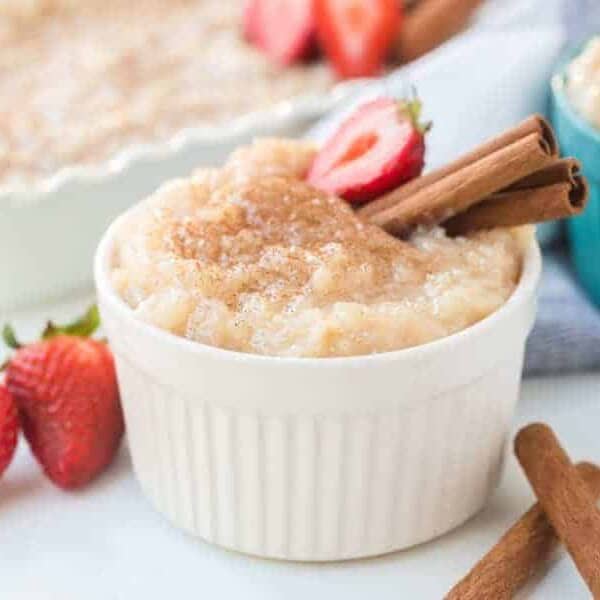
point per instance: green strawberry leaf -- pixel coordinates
(85, 326)
(413, 107)
(10, 338)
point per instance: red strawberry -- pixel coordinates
(283, 29)
(378, 148)
(249, 20)
(357, 35)
(9, 428)
(66, 390)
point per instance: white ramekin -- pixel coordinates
(319, 459)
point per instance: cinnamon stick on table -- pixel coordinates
(521, 552)
(431, 23)
(564, 497)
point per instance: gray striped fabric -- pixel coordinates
(566, 336)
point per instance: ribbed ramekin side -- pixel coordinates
(319, 487)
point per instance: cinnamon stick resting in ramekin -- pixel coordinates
(521, 552)
(556, 192)
(514, 179)
(533, 124)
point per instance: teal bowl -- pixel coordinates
(580, 139)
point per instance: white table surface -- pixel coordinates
(107, 543)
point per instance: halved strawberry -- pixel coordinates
(249, 21)
(283, 29)
(378, 148)
(357, 35)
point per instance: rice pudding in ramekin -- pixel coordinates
(297, 421)
(251, 258)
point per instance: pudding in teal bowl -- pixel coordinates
(576, 119)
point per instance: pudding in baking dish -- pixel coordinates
(93, 78)
(251, 258)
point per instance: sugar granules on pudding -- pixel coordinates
(251, 258)
(94, 78)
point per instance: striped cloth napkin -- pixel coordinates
(566, 335)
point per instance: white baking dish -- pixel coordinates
(319, 459)
(48, 232)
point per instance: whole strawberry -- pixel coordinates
(9, 428)
(66, 391)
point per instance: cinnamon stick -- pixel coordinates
(431, 23)
(533, 124)
(466, 186)
(564, 170)
(522, 206)
(564, 497)
(521, 552)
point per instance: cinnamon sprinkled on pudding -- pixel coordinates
(251, 258)
(81, 82)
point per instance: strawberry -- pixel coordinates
(283, 29)
(380, 146)
(66, 391)
(9, 428)
(249, 21)
(357, 35)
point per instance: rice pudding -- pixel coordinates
(250, 258)
(82, 81)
